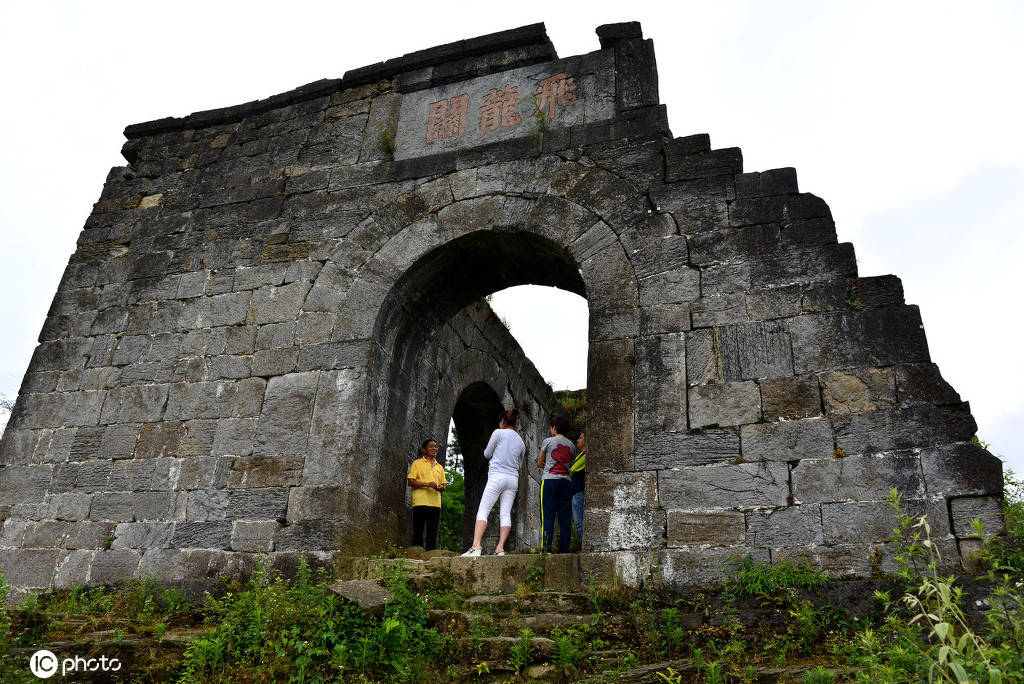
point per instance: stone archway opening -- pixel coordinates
(446, 282)
(550, 325)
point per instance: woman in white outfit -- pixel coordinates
(505, 451)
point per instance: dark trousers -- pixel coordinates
(429, 517)
(556, 501)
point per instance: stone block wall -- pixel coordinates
(275, 303)
(787, 395)
(189, 497)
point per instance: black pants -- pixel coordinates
(555, 501)
(428, 516)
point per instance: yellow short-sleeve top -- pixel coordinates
(422, 470)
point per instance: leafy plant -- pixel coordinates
(713, 673)
(387, 139)
(5, 619)
(671, 633)
(926, 633)
(1006, 552)
(770, 581)
(519, 653)
(670, 676)
(909, 537)
(535, 572)
(853, 298)
(1002, 558)
(142, 600)
(270, 629)
(564, 654)
(12, 668)
(629, 661)
(595, 592)
(818, 675)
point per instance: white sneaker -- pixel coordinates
(472, 553)
(499, 553)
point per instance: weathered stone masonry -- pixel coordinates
(274, 303)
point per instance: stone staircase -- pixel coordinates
(503, 614)
(482, 575)
(549, 594)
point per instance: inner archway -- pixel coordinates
(475, 415)
(550, 326)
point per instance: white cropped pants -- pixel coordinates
(499, 486)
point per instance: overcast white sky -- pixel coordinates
(905, 117)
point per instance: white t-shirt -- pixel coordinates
(505, 450)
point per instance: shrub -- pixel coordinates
(271, 629)
(926, 633)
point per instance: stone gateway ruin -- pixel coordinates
(274, 303)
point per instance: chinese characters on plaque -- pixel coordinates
(500, 109)
(447, 118)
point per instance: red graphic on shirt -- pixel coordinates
(563, 457)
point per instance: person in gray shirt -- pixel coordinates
(555, 458)
(505, 451)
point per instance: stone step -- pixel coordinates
(108, 638)
(458, 623)
(535, 602)
(545, 622)
(453, 622)
(687, 670)
(134, 653)
(609, 659)
(608, 654)
(95, 626)
(481, 575)
(495, 651)
(418, 553)
(751, 617)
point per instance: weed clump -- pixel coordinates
(926, 634)
(270, 629)
(770, 581)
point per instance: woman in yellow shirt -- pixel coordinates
(426, 477)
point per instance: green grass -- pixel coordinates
(770, 580)
(271, 629)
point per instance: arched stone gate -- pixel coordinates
(273, 303)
